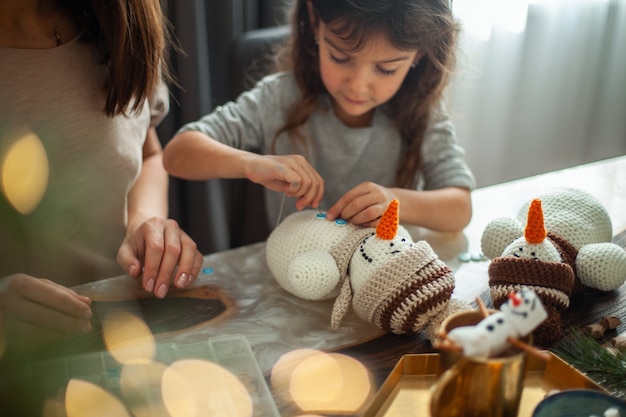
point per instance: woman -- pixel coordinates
(85, 79)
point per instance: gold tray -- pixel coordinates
(406, 391)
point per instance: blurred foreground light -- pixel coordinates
(127, 337)
(280, 377)
(197, 388)
(140, 385)
(321, 382)
(85, 399)
(24, 172)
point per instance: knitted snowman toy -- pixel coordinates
(560, 246)
(399, 285)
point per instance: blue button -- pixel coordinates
(341, 222)
(321, 215)
(478, 257)
(207, 271)
(465, 257)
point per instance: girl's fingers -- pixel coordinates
(310, 188)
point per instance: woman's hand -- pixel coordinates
(36, 312)
(161, 251)
(363, 205)
(291, 174)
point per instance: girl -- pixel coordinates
(353, 120)
(85, 79)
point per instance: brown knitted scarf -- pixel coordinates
(552, 281)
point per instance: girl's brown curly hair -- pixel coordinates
(424, 25)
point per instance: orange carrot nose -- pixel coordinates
(535, 231)
(388, 225)
(515, 299)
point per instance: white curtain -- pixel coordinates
(540, 85)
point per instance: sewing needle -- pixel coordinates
(280, 212)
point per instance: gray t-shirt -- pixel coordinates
(73, 234)
(342, 155)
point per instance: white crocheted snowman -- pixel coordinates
(575, 216)
(390, 281)
(560, 246)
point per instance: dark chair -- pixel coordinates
(251, 61)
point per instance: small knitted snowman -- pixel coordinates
(519, 315)
(390, 281)
(560, 246)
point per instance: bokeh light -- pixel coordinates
(24, 171)
(140, 386)
(85, 399)
(127, 337)
(319, 382)
(198, 388)
(280, 377)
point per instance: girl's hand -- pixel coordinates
(164, 252)
(291, 174)
(37, 311)
(363, 205)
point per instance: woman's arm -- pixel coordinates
(155, 247)
(148, 196)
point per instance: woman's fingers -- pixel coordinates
(168, 255)
(37, 311)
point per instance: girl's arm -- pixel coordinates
(193, 155)
(445, 210)
(154, 245)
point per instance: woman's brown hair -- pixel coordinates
(133, 38)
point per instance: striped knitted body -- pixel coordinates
(389, 281)
(406, 294)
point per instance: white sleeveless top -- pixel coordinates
(73, 234)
